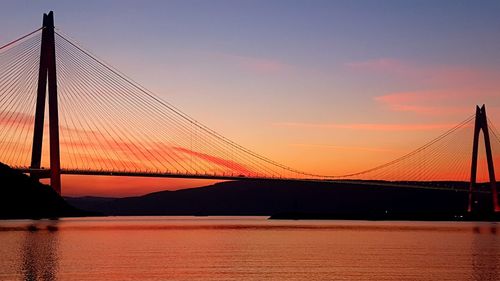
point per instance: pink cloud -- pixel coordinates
(263, 66)
(425, 102)
(435, 76)
(381, 64)
(438, 103)
(441, 89)
(216, 160)
(258, 65)
(369, 126)
(412, 70)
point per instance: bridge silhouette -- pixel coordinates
(101, 122)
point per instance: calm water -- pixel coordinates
(222, 248)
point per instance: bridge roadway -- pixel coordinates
(435, 185)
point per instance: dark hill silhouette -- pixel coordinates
(291, 199)
(24, 198)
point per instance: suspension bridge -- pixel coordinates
(101, 122)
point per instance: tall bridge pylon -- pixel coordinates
(481, 124)
(47, 80)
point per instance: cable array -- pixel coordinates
(111, 123)
(447, 157)
(495, 147)
(19, 62)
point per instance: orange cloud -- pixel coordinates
(369, 126)
(339, 147)
(15, 118)
(106, 163)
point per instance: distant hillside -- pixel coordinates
(286, 197)
(22, 197)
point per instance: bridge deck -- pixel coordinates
(448, 186)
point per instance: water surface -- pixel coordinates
(246, 248)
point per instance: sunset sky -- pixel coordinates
(323, 86)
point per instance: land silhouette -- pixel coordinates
(285, 199)
(25, 198)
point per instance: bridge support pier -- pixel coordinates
(47, 79)
(482, 124)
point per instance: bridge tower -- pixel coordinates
(481, 124)
(47, 81)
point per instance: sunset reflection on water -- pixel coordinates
(246, 248)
